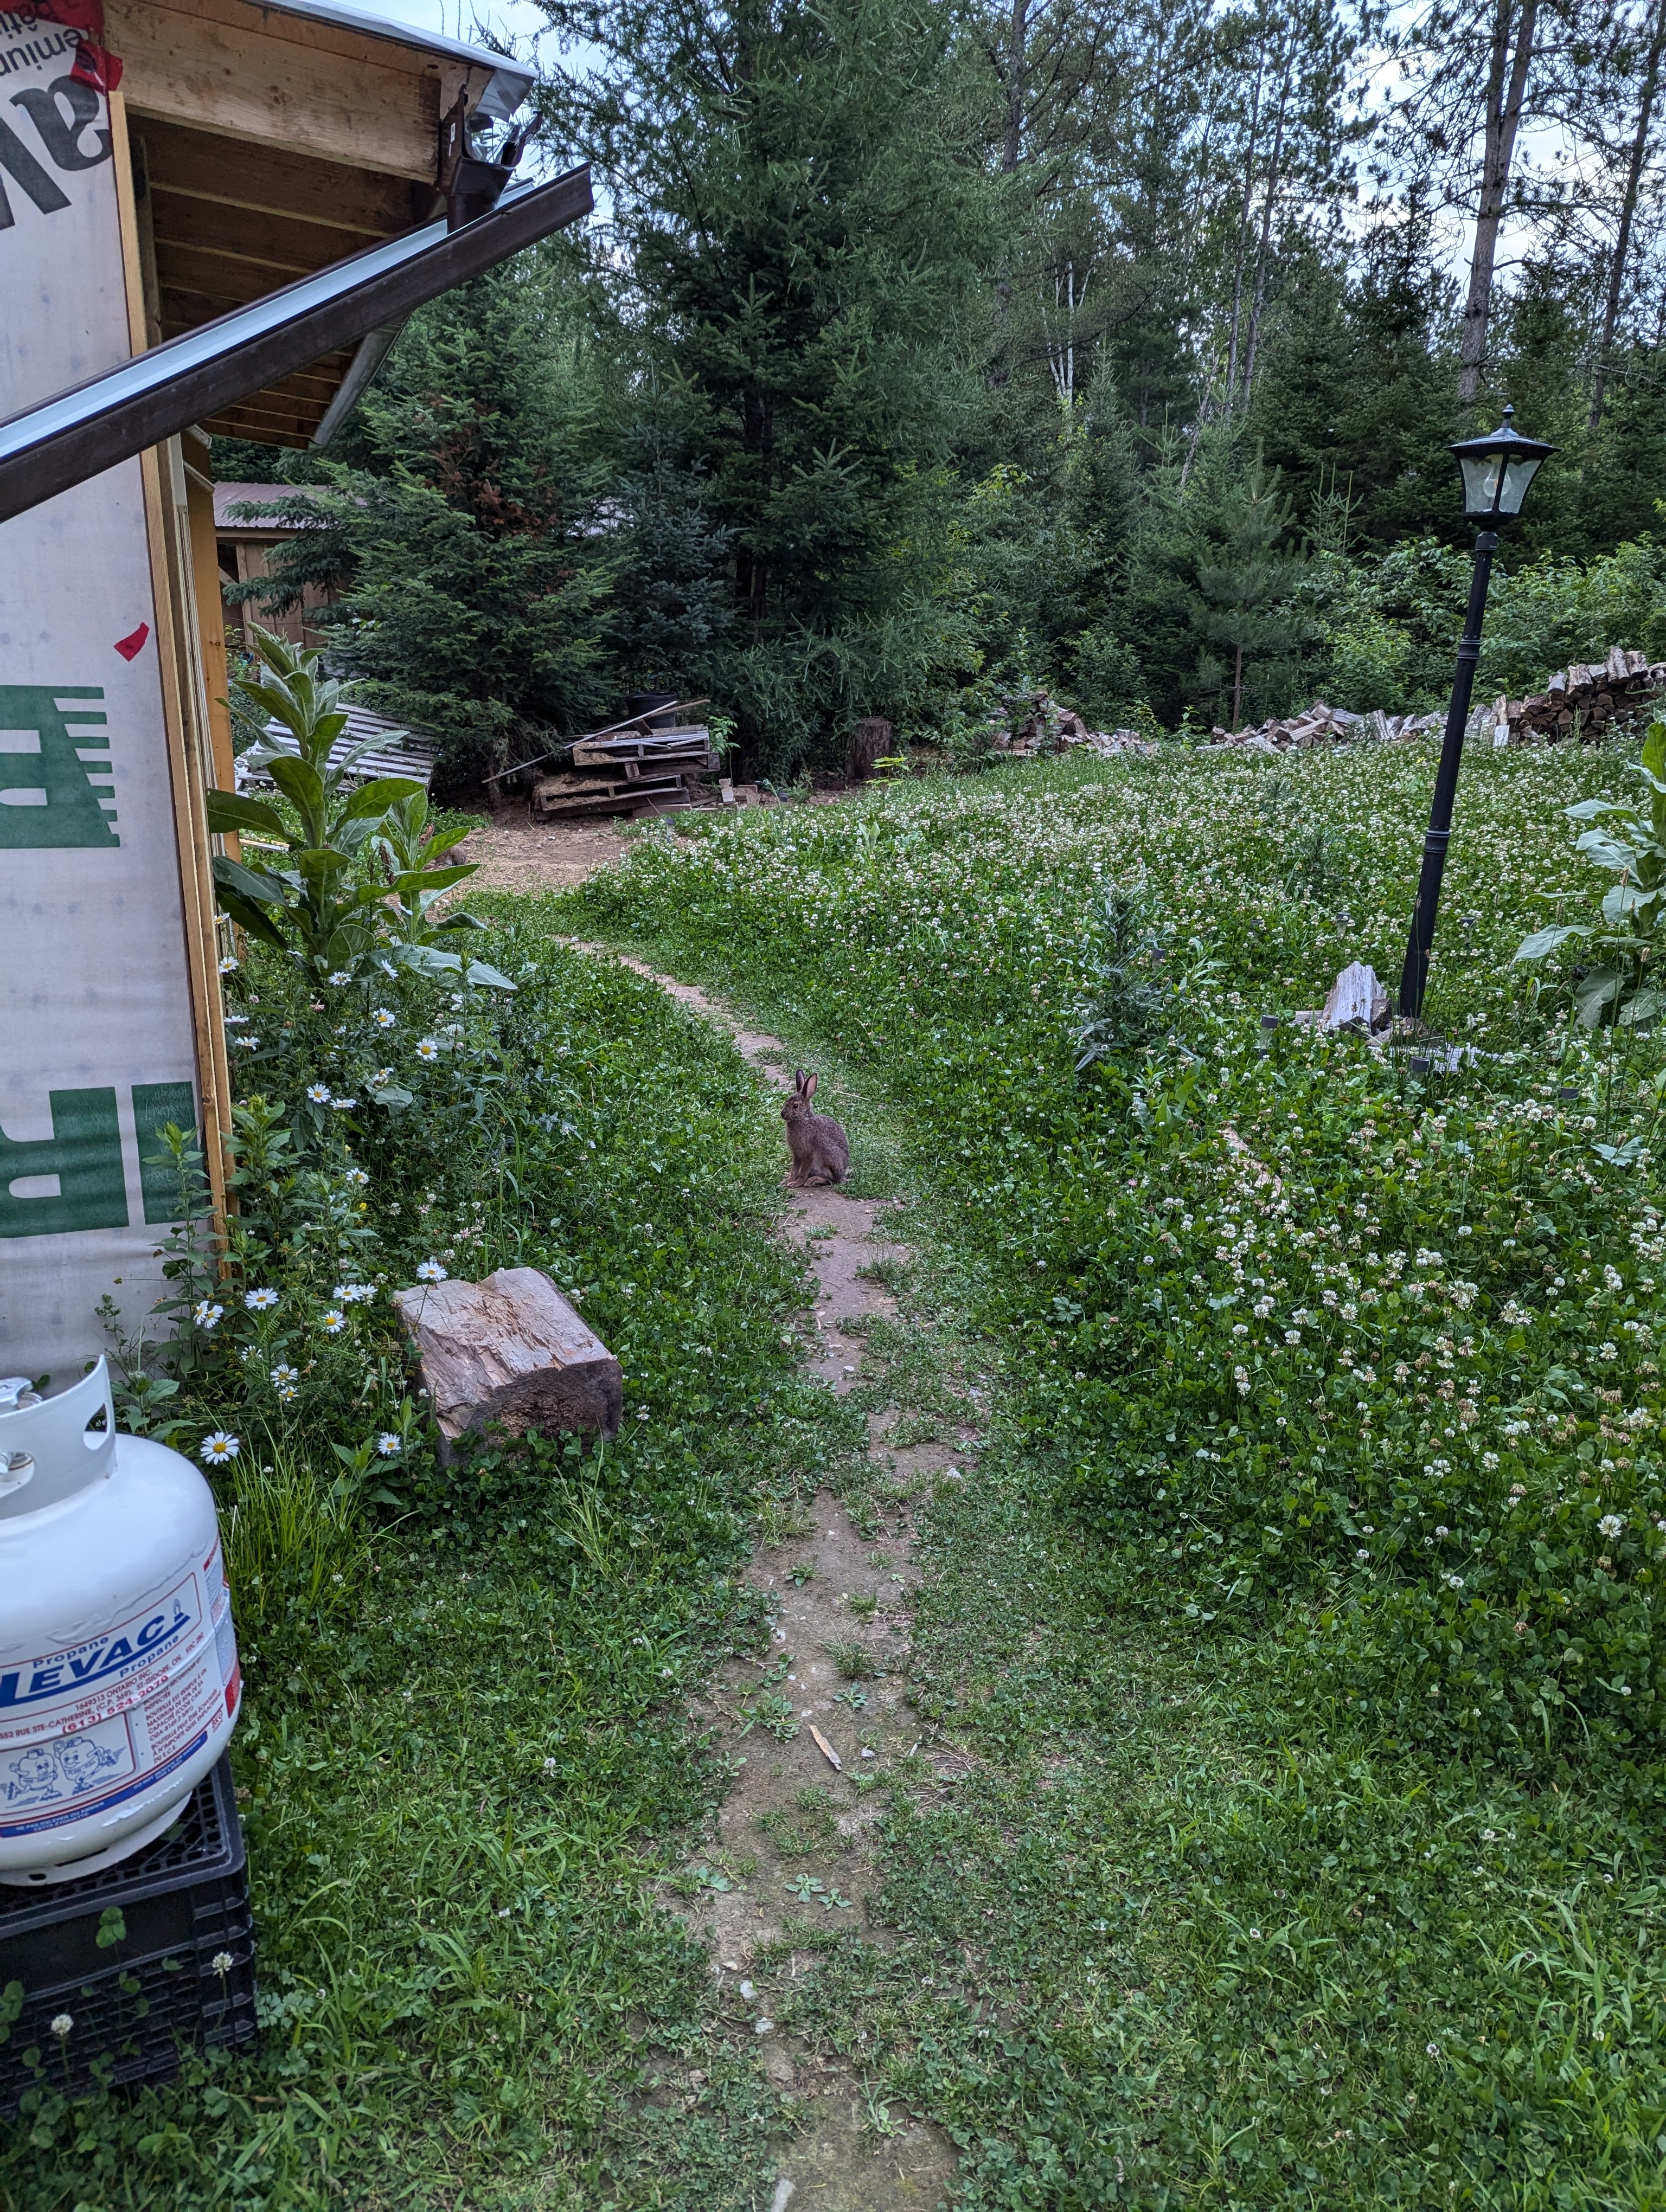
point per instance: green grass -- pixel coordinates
(465, 1757)
(1290, 1870)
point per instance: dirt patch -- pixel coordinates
(791, 1847)
(515, 854)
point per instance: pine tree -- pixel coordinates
(1246, 584)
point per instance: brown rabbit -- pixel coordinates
(820, 1149)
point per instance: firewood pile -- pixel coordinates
(1582, 703)
(1323, 725)
(652, 764)
(1037, 725)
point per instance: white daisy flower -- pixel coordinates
(388, 1445)
(219, 1449)
(341, 975)
(334, 1321)
(206, 1315)
(229, 966)
(318, 1093)
(260, 1301)
(428, 1050)
(383, 1018)
(355, 1178)
(431, 1271)
(343, 1105)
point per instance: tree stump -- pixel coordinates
(869, 741)
(510, 1351)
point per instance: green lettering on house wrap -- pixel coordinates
(47, 797)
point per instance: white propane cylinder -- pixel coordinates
(119, 1678)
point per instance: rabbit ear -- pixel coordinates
(797, 1083)
(810, 1086)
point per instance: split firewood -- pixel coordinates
(511, 1352)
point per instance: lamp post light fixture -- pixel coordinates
(1496, 472)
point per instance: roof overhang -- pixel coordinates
(195, 377)
(272, 138)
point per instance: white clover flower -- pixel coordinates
(1261, 1308)
(387, 1444)
(1453, 1582)
(1613, 1279)
(431, 1271)
(318, 1093)
(429, 1048)
(260, 1301)
(221, 1962)
(383, 1018)
(1489, 1460)
(1241, 1376)
(1441, 1529)
(219, 1449)
(1362, 1555)
(1518, 1490)
(1240, 1328)
(1612, 1525)
(552, 1766)
(641, 1412)
(334, 1321)
(207, 1316)
(60, 2024)
(1608, 1351)
(1293, 1336)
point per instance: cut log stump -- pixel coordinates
(510, 1351)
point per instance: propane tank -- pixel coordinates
(119, 1678)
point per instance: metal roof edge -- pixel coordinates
(511, 81)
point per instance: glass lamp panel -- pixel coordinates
(1480, 482)
(1519, 471)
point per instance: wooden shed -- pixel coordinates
(214, 216)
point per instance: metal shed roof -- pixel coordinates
(510, 82)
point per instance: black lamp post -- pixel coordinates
(1496, 472)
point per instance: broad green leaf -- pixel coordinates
(298, 779)
(228, 813)
(1594, 994)
(373, 798)
(433, 879)
(480, 971)
(249, 883)
(1544, 941)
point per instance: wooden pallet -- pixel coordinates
(566, 797)
(690, 747)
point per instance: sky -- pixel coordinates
(457, 19)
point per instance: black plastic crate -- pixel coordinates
(176, 1966)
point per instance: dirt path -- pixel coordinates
(792, 1841)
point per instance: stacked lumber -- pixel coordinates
(636, 767)
(1323, 725)
(1583, 701)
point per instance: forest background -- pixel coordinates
(922, 350)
